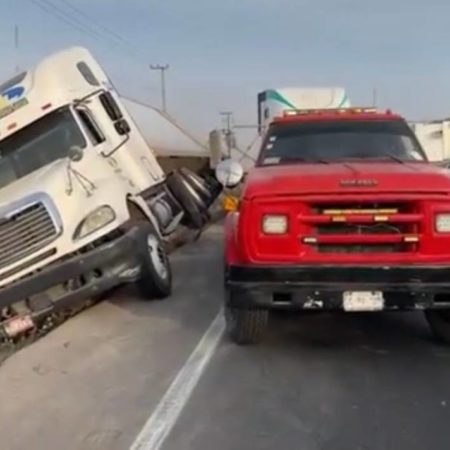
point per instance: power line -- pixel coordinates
(47, 7)
(51, 9)
(105, 29)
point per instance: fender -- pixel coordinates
(231, 247)
(142, 205)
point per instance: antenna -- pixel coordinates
(16, 46)
(375, 97)
(162, 69)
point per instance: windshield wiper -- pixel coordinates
(394, 158)
(311, 160)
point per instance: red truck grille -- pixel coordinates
(363, 228)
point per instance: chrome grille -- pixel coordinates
(25, 232)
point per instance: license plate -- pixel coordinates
(18, 325)
(363, 301)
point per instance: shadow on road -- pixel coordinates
(325, 382)
(379, 333)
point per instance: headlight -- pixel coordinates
(442, 222)
(95, 220)
(274, 224)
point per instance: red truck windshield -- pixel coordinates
(340, 140)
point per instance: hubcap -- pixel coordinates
(157, 257)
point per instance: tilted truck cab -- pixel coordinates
(342, 212)
(84, 204)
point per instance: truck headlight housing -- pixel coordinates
(95, 220)
(274, 224)
(442, 223)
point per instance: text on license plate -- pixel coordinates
(363, 301)
(18, 325)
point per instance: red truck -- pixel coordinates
(342, 211)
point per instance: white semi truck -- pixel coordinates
(434, 137)
(84, 205)
(273, 102)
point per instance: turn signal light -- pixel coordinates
(230, 203)
(411, 238)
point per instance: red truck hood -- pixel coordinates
(381, 177)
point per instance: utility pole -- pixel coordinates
(228, 115)
(162, 69)
(228, 132)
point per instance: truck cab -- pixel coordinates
(84, 204)
(342, 211)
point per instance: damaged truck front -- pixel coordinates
(84, 205)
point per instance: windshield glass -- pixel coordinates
(329, 141)
(39, 144)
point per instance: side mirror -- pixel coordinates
(75, 153)
(229, 173)
(110, 105)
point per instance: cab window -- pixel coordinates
(92, 129)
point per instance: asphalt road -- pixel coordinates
(326, 382)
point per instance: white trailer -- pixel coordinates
(273, 102)
(84, 204)
(174, 145)
(434, 136)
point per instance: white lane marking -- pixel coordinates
(164, 417)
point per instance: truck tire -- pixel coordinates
(194, 207)
(439, 322)
(207, 190)
(155, 281)
(245, 326)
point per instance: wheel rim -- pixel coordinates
(157, 256)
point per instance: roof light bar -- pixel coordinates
(361, 110)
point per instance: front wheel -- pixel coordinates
(156, 275)
(439, 321)
(245, 326)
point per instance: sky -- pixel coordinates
(221, 53)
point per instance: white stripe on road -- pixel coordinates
(164, 417)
